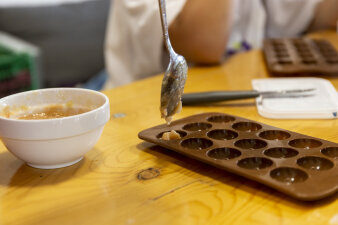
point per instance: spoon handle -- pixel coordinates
(165, 27)
(216, 96)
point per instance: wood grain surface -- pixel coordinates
(126, 181)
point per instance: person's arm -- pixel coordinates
(200, 32)
(134, 41)
(326, 15)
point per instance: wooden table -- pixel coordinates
(124, 180)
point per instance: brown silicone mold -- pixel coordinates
(300, 56)
(301, 166)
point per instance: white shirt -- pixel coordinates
(134, 42)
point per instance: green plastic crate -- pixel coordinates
(18, 69)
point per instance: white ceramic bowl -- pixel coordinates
(58, 142)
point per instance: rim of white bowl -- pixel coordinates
(51, 89)
(18, 129)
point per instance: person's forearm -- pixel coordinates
(326, 15)
(200, 32)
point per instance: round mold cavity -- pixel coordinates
(196, 126)
(333, 57)
(309, 62)
(332, 53)
(315, 163)
(332, 61)
(181, 133)
(308, 58)
(320, 43)
(223, 153)
(255, 163)
(281, 52)
(274, 135)
(298, 41)
(329, 52)
(196, 143)
(247, 126)
(301, 46)
(279, 48)
(288, 175)
(221, 119)
(304, 53)
(281, 152)
(331, 152)
(283, 58)
(250, 144)
(326, 49)
(303, 50)
(284, 62)
(222, 134)
(282, 55)
(305, 143)
(278, 44)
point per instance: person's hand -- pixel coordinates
(200, 32)
(326, 16)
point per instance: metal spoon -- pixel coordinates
(175, 76)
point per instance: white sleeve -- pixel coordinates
(247, 23)
(134, 41)
(288, 18)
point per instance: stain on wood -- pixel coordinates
(148, 174)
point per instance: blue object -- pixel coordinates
(97, 82)
(242, 46)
